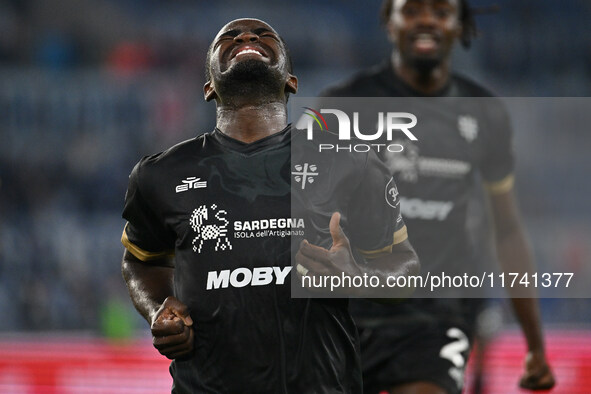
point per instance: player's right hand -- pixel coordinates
(172, 331)
(537, 375)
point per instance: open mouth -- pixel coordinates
(248, 50)
(425, 42)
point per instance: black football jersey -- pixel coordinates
(460, 138)
(233, 215)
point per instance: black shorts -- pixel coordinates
(419, 340)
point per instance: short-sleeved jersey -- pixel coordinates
(457, 140)
(233, 214)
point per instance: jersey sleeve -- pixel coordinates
(374, 211)
(144, 235)
(498, 161)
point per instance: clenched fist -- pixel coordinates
(172, 331)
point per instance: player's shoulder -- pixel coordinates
(166, 160)
(362, 83)
(492, 106)
(467, 87)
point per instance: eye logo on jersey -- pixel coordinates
(305, 173)
(191, 183)
(468, 127)
(392, 194)
(209, 229)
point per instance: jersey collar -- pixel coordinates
(263, 144)
(393, 80)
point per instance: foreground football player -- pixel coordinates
(421, 346)
(222, 205)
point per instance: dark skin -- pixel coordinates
(150, 286)
(425, 32)
(314, 260)
(515, 256)
(247, 113)
(245, 117)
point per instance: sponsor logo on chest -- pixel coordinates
(410, 165)
(211, 228)
(264, 224)
(241, 277)
(415, 208)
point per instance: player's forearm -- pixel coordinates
(399, 263)
(148, 284)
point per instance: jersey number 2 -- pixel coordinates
(453, 352)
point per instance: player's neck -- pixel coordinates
(252, 123)
(428, 82)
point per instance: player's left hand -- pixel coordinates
(537, 375)
(314, 260)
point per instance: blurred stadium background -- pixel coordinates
(87, 87)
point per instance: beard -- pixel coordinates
(425, 65)
(251, 78)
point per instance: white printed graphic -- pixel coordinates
(453, 352)
(210, 231)
(241, 277)
(409, 165)
(468, 126)
(392, 194)
(304, 173)
(415, 208)
(191, 183)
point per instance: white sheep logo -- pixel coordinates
(207, 232)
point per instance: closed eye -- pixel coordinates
(229, 35)
(264, 32)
